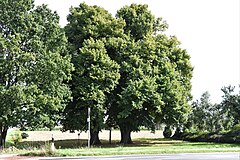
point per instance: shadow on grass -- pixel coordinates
(142, 142)
(81, 143)
(77, 147)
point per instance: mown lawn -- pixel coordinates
(140, 146)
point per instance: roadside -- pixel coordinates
(15, 157)
(185, 156)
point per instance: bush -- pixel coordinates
(178, 133)
(16, 137)
(24, 135)
(167, 133)
(236, 129)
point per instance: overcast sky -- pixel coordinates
(208, 30)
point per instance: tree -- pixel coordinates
(86, 22)
(200, 115)
(89, 29)
(205, 116)
(155, 75)
(154, 72)
(34, 67)
(230, 107)
(95, 75)
(150, 89)
(140, 22)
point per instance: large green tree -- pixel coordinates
(89, 30)
(95, 76)
(152, 87)
(34, 65)
(155, 73)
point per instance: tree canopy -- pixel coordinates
(96, 74)
(34, 66)
(150, 73)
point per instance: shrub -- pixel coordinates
(167, 133)
(16, 137)
(24, 135)
(178, 133)
(236, 129)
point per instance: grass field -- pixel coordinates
(144, 145)
(104, 135)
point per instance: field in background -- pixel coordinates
(104, 135)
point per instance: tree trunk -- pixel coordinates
(178, 133)
(110, 135)
(3, 135)
(94, 140)
(125, 135)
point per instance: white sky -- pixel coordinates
(208, 30)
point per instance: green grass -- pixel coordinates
(140, 146)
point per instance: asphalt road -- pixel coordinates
(185, 156)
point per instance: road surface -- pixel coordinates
(184, 156)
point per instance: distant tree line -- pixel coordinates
(215, 118)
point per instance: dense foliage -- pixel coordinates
(127, 70)
(89, 31)
(215, 118)
(34, 64)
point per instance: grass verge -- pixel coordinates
(140, 146)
